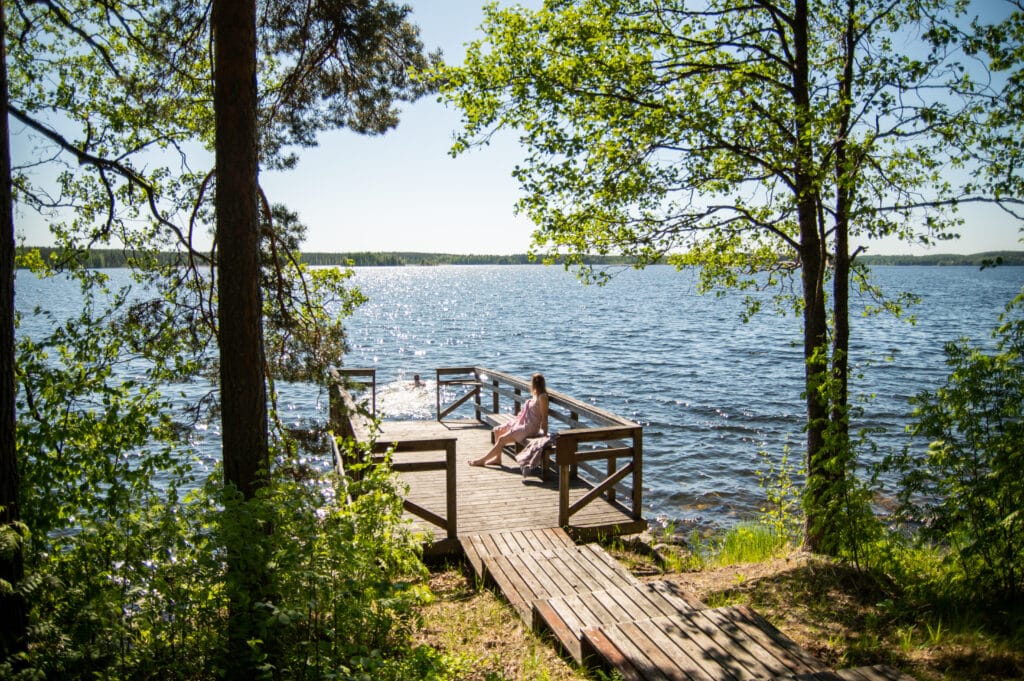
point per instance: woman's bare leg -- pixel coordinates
(494, 455)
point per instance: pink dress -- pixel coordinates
(527, 423)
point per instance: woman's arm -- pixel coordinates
(543, 406)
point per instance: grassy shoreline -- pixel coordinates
(843, 617)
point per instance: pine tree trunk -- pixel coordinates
(13, 616)
(242, 383)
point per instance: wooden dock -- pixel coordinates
(490, 499)
(521, 534)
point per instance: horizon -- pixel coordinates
(403, 192)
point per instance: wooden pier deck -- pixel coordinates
(491, 499)
(520, 534)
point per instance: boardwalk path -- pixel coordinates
(595, 608)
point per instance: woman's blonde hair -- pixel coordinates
(538, 383)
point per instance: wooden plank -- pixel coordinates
(471, 549)
(644, 602)
(526, 577)
(518, 593)
(547, 579)
(870, 673)
(875, 673)
(756, 652)
(611, 567)
(697, 655)
(696, 644)
(597, 640)
(567, 616)
(741, 656)
(741, 621)
(672, 590)
(637, 654)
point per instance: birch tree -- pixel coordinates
(754, 140)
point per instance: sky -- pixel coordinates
(403, 191)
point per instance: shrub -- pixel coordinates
(965, 489)
(145, 595)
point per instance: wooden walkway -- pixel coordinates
(520, 534)
(647, 631)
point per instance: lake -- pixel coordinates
(711, 391)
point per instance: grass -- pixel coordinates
(485, 635)
(844, 617)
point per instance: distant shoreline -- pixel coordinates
(115, 258)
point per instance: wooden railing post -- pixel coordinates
(565, 450)
(574, 471)
(451, 490)
(476, 398)
(495, 396)
(611, 471)
(638, 477)
(437, 392)
(334, 399)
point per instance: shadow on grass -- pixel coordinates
(850, 618)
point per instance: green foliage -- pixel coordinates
(837, 501)
(304, 309)
(782, 513)
(346, 576)
(749, 543)
(128, 578)
(652, 128)
(146, 593)
(94, 431)
(965, 489)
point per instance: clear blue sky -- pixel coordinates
(403, 192)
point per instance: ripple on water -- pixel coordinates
(711, 390)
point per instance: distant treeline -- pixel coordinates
(108, 258)
(977, 259)
(367, 259)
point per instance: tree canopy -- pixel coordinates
(125, 107)
(756, 140)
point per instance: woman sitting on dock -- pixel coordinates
(531, 420)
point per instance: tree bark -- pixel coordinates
(13, 614)
(845, 175)
(240, 320)
(813, 262)
(240, 307)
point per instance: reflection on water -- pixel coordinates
(709, 390)
(403, 400)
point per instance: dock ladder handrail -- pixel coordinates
(352, 421)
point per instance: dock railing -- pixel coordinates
(593, 435)
(350, 420)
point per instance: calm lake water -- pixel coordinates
(710, 390)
